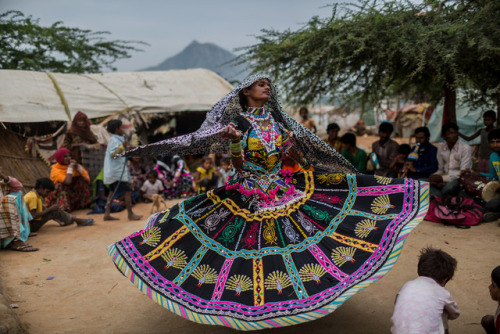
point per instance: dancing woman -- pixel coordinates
(271, 248)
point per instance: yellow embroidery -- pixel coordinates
(331, 179)
(311, 272)
(270, 233)
(341, 255)
(205, 275)
(381, 204)
(175, 258)
(239, 283)
(364, 227)
(278, 280)
(258, 282)
(382, 179)
(151, 236)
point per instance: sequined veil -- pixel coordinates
(270, 248)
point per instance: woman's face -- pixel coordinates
(81, 123)
(67, 159)
(258, 93)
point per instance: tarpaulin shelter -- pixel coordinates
(37, 97)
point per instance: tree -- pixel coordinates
(372, 50)
(26, 45)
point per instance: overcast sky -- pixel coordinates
(169, 26)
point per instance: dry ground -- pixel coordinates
(88, 295)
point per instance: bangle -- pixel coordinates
(235, 147)
(70, 171)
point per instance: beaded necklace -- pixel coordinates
(267, 134)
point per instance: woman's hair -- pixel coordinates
(495, 275)
(114, 125)
(490, 113)
(44, 183)
(348, 138)
(436, 264)
(303, 109)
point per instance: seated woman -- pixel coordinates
(72, 183)
(80, 137)
(176, 178)
(14, 217)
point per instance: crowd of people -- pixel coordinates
(124, 182)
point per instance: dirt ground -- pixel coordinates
(88, 295)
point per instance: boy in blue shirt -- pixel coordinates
(492, 207)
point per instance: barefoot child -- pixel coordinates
(41, 214)
(116, 175)
(151, 186)
(491, 323)
(424, 305)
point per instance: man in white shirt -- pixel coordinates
(453, 157)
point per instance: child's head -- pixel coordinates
(436, 264)
(303, 112)
(494, 140)
(225, 163)
(348, 140)
(152, 176)
(385, 130)
(495, 284)
(44, 186)
(206, 162)
(115, 127)
(489, 118)
(404, 149)
(333, 130)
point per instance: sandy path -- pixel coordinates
(88, 295)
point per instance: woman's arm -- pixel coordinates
(235, 137)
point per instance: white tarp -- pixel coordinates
(28, 96)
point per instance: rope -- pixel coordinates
(61, 95)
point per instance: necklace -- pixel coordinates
(267, 134)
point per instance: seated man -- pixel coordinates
(14, 226)
(492, 207)
(41, 214)
(385, 148)
(427, 162)
(353, 154)
(453, 157)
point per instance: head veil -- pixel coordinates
(207, 138)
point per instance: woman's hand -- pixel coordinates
(230, 133)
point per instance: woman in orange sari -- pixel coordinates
(72, 183)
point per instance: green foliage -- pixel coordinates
(377, 49)
(26, 45)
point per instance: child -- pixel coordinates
(353, 154)
(333, 139)
(223, 171)
(205, 178)
(489, 118)
(492, 207)
(490, 323)
(41, 214)
(306, 121)
(397, 165)
(151, 186)
(116, 175)
(385, 148)
(424, 305)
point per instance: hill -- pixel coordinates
(204, 55)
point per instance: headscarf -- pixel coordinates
(208, 138)
(59, 155)
(85, 132)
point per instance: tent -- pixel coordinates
(28, 96)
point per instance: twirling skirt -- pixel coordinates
(214, 260)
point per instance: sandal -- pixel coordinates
(89, 222)
(23, 248)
